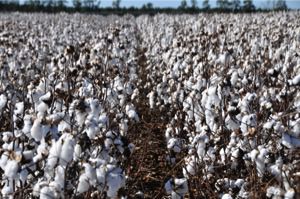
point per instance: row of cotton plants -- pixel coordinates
(231, 85)
(76, 89)
(67, 88)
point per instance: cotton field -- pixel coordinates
(164, 106)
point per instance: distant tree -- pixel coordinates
(147, 6)
(91, 4)
(183, 4)
(49, 3)
(235, 4)
(116, 4)
(60, 4)
(223, 4)
(193, 4)
(280, 5)
(248, 5)
(77, 4)
(205, 4)
(33, 3)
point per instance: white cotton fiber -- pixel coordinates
(11, 169)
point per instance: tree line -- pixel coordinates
(94, 6)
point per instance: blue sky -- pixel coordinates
(295, 4)
(176, 3)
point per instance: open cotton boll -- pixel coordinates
(289, 194)
(41, 109)
(90, 173)
(7, 189)
(226, 196)
(101, 175)
(36, 130)
(19, 108)
(67, 150)
(290, 141)
(174, 145)
(54, 154)
(296, 80)
(190, 168)
(169, 186)
(151, 97)
(60, 177)
(47, 193)
(83, 184)
(11, 169)
(115, 181)
(248, 122)
(3, 100)
(27, 125)
(181, 186)
(274, 192)
(77, 152)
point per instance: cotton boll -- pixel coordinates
(7, 189)
(46, 193)
(296, 80)
(36, 130)
(90, 173)
(276, 169)
(80, 117)
(275, 192)
(63, 126)
(3, 101)
(19, 108)
(226, 196)
(67, 150)
(114, 182)
(11, 169)
(151, 99)
(289, 194)
(133, 115)
(101, 174)
(103, 120)
(27, 125)
(54, 154)
(248, 121)
(201, 148)
(77, 152)
(190, 168)
(60, 177)
(223, 155)
(41, 109)
(174, 145)
(169, 186)
(23, 176)
(290, 141)
(239, 183)
(83, 184)
(181, 186)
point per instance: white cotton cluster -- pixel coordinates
(224, 94)
(131, 113)
(174, 144)
(3, 101)
(177, 187)
(258, 156)
(38, 130)
(11, 169)
(61, 151)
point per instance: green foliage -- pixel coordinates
(94, 6)
(183, 5)
(206, 5)
(248, 6)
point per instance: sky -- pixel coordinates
(294, 4)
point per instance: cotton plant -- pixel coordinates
(177, 187)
